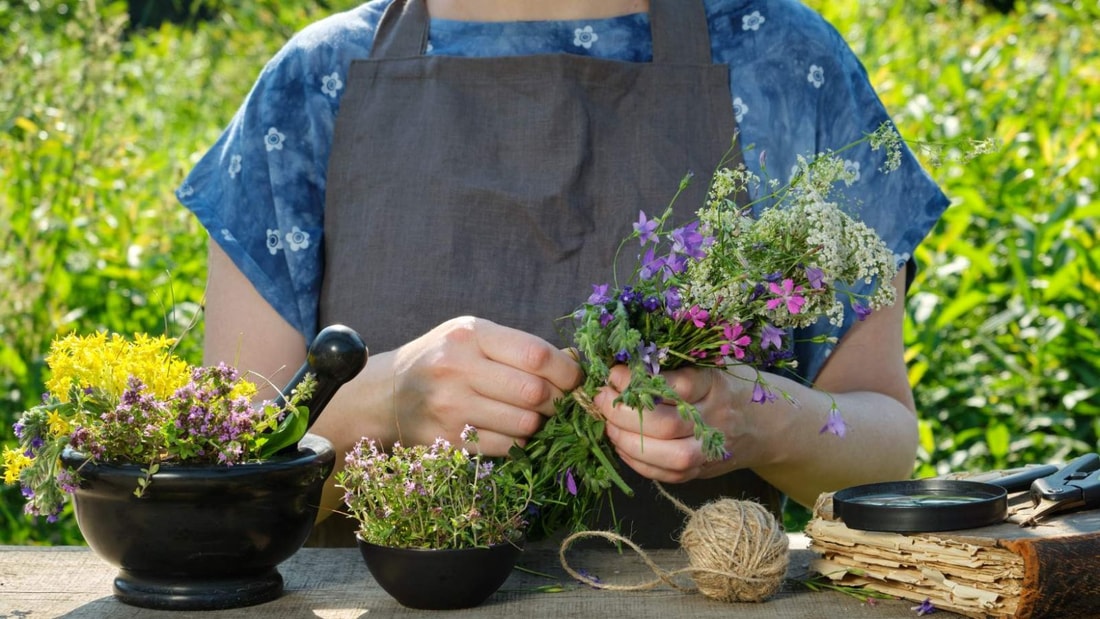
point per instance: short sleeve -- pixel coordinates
(259, 191)
(799, 90)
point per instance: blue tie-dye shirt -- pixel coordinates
(796, 89)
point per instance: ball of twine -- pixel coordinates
(737, 550)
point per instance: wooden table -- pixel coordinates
(333, 583)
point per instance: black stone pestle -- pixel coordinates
(336, 356)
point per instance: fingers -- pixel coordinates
(529, 354)
(673, 461)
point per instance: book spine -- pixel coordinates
(1061, 577)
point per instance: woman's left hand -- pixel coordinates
(661, 445)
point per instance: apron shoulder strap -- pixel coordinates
(678, 27)
(403, 30)
(679, 31)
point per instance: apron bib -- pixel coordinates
(501, 188)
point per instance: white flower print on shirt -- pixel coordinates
(816, 76)
(331, 84)
(752, 21)
(739, 109)
(274, 241)
(274, 140)
(585, 37)
(297, 239)
(234, 166)
(851, 170)
(185, 190)
(227, 235)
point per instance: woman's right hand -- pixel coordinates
(472, 371)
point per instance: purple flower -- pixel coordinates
(675, 264)
(861, 310)
(628, 296)
(599, 294)
(689, 242)
(605, 318)
(834, 424)
(651, 265)
(925, 607)
(673, 299)
(786, 294)
(19, 428)
(652, 356)
(645, 229)
(761, 394)
(651, 304)
(570, 482)
(771, 337)
(622, 356)
(815, 276)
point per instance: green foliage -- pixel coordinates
(1005, 313)
(98, 125)
(97, 128)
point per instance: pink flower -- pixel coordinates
(786, 293)
(736, 341)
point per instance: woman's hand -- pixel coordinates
(660, 445)
(472, 371)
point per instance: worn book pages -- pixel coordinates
(1003, 570)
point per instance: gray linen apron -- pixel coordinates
(501, 188)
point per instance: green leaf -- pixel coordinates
(291, 430)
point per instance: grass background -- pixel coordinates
(100, 120)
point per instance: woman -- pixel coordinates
(449, 176)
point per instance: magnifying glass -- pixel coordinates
(927, 505)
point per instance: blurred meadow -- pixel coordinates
(105, 106)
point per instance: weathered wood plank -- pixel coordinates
(333, 583)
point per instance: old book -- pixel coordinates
(1004, 570)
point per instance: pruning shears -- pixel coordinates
(1074, 486)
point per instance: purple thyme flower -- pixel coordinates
(645, 228)
(834, 424)
(599, 294)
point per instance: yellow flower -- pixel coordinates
(14, 463)
(107, 363)
(59, 426)
(243, 388)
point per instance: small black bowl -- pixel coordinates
(440, 579)
(203, 537)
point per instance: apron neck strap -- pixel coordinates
(679, 31)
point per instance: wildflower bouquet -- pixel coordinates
(132, 401)
(433, 496)
(729, 288)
